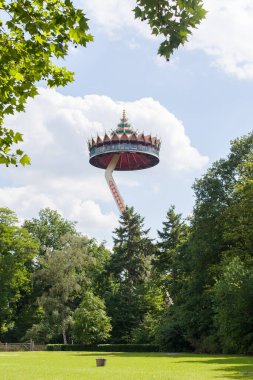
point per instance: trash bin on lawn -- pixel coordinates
(101, 362)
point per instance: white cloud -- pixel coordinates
(163, 64)
(89, 216)
(56, 128)
(226, 35)
(177, 153)
(114, 16)
(133, 45)
(26, 199)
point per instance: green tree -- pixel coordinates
(49, 228)
(169, 271)
(169, 332)
(97, 271)
(172, 19)
(238, 217)
(64, 275)
(33, 34)
(233, 289)
(214, 193)
(233, 305)
(216, 232)
(129, 271)
(17, 251)
(154, 304)
(168, 254)
(90, 321)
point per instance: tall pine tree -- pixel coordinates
(168, 253)
(129, 273)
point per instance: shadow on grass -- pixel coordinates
(242, 365)
(235, 367)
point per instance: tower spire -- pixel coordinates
(124, 119)
(124, 126)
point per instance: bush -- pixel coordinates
(145, 332)
(233, 305)
(91, 323)
(208, 345)
(170, 336)
(104, 347)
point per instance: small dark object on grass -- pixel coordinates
(101, 362)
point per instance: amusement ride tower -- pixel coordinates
(123, 149)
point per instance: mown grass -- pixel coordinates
(122, 366)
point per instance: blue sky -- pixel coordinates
(197, 103)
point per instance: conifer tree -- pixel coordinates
(171, 237)
(129, 272)
(169, 258)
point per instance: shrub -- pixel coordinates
(104, 347)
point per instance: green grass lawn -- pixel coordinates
(122, 366)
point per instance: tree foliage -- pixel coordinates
(168, 254)
(33, 34)
(233, 297)
(191, 290)
(129, 270)
(172, 19)
(233, 307)
(238, 217)
(49, 228)
(17, 251)
(132, 249)
(64, 276)
(220, 230)
(91, 323)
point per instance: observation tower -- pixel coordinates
(123, 149)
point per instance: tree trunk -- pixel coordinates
(64, 335)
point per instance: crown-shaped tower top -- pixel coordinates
(123, 126)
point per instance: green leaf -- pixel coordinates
(137, 12)
(76, 34)
(17, 137)
(4, 160)
(25, 160)
(9, 110)
(39, 39)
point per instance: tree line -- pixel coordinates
(190, 289)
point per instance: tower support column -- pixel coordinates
(111, 183)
